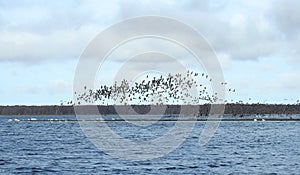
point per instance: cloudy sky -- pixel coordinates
(257, 43)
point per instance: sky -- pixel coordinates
(257, 43)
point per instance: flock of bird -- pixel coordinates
(171, 89)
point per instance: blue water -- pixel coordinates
(236, 148)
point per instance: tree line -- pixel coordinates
(202, 110)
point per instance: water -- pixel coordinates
(236, 148)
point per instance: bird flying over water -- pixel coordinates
(172, 89)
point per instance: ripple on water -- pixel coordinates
(2, 162)
(33, 170)
(238, 147)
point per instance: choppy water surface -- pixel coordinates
(236, 148)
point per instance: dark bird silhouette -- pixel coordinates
(172, 88)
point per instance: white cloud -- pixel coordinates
(225, 61)
(24, 46)
(232, 28)
(240, 29)
(285, 16)
(49, 30)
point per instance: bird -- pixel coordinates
(171, 88)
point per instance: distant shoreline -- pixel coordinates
(202, 110)
(160, 120)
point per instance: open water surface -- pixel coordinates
(244, 147)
